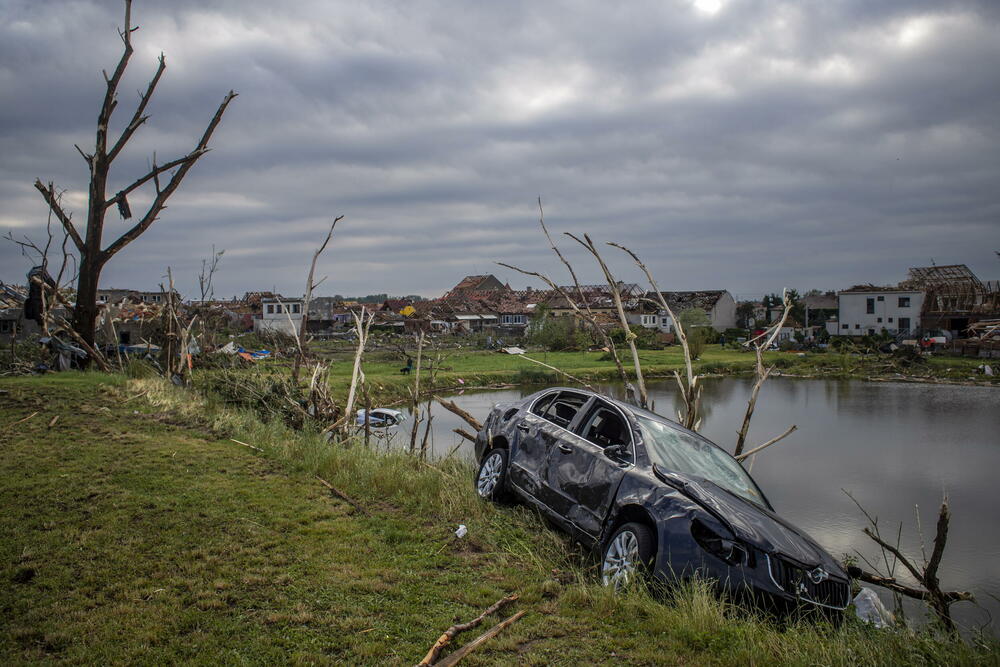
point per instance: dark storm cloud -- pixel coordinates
(745, 145)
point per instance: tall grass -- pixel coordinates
(686, 623)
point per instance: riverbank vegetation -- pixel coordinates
(136, 530)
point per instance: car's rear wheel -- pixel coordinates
(627, 556)
(491, 480)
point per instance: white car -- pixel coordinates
(380, 417)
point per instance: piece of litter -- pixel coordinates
(869, 608)
(462, 531)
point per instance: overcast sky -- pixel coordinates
(745, 145)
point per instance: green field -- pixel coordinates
(134, 531)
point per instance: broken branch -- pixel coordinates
(455, 657)
(451, 632)
(343, 496)
(770, 442)
(451, 407)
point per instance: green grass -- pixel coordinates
(133, 531)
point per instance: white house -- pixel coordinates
(866, 309)
(279, 314)
(718, 304)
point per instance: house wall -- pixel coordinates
(723, 316)
(289, 322)
(855, 320)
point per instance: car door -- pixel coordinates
(581, 477)
(529, 456)
(539, 431)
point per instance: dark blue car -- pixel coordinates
(654, 498)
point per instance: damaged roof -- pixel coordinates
(681, 301)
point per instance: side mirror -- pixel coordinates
(616, 452)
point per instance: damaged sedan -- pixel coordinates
(655, 499)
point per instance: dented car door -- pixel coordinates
(586, 467)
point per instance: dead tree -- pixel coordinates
(415, 395)
(930, 592)
(689, 386)
(208, 268)
(362, 325)
(94, 254)
(640, 396)
(41, 282)
(581, 308)
(759, 344)
(300, 336)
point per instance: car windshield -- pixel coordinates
(677, 451)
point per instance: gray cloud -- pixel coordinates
(763, 145)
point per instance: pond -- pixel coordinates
(896, 447)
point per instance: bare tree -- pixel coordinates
(300, 335)
(930, 591)
(208, 268)
(640, 396)
(690, 389)
(759, 344)
(42, 282)
(582, 307)
(93, 253)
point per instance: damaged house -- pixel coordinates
(719, 305)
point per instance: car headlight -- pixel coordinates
(723, 548)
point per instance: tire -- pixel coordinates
(627, 556)
(491, 479)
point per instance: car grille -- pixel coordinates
(796, 581)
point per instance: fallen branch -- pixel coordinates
(451, 632)
(451, 407)
(21, 421)
(891, 584)
(455, 657)
(343, 496)
(770, 442)
(465, 434)
(557, 370)
(53, 421)
(246, 445)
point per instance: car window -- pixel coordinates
(542, 404)
(604, 428)
(680, 452)
(563, 409)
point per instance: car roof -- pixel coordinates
(634, 410)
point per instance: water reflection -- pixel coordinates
(896, 447)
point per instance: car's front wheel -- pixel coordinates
(491, 480)
(628, 555)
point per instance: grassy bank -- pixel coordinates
(134, 530)
(467, 368)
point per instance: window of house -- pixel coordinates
(648, 320)
(904, 302)
(296, 308)
(879, 320)
(881, 298)
(857, 326)
(846, 326)
(664, 321)
(270, 309)
(904, 323)
(870, 305)
(277, 308)
(6, 326)
(890, 320)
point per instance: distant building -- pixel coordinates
(279, 314)
(719, 305)
(866, 310)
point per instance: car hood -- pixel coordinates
(751, 523)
